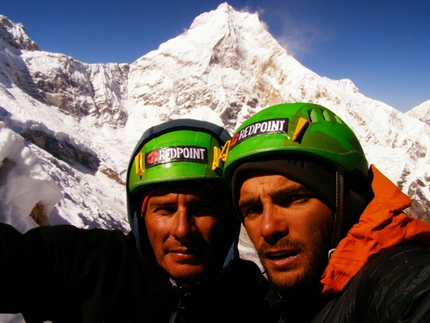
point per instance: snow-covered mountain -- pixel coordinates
(68, 128)
(421, 112)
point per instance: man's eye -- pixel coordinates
(295, 199)
(165, 210)
(252, 211)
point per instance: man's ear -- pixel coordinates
(145, 201)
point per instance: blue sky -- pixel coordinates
(383, 46)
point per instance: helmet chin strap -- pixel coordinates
(338, 215)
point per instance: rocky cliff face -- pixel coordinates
(76, 88)
(73, 87)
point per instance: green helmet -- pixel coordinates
(306, 131)
(298, 128)
(177, 150)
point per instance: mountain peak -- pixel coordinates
(232, 64)
(15, 35)
(225, 7)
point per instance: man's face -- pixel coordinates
(289, 227)
(185, 229)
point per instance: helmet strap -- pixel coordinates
(338, 215)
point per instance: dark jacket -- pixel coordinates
(393, 287)
(380, 272)
(65, 274)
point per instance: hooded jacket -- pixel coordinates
(380, 272)
(382, 225)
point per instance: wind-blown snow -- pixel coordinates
(21, 175)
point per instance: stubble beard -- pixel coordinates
(308, 280)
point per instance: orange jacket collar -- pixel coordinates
(382, 225)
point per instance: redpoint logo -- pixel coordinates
(234, 139)
(152, 157)
(176, 154)
(260, 128)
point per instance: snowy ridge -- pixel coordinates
(421, 112)
(75, 124)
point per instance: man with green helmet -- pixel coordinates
(329, 231)
(178, 264)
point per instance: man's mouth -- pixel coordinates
(281, 259)
(183, 250)
(186, 254)
(281, 254)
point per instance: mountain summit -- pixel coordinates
(68, 128)
(227, 63)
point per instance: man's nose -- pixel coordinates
(182, 225)
(274, 224)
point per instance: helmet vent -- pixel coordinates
(339, 120)
(312, 117)
(326, 115)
